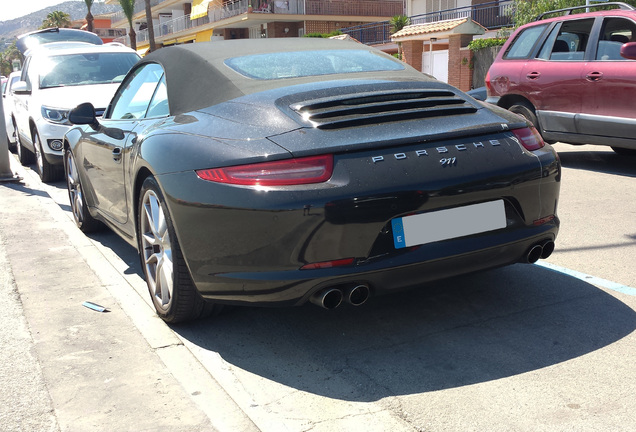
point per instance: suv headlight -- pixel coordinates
(55, 115)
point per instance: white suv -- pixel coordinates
(56, 77)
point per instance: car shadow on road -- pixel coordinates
(459, 332)
(601, 161)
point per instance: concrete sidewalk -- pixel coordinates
(66, 367)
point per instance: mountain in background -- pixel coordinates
(76, 9)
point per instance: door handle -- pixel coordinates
(533, 75)
(594, 76)
(117, 154)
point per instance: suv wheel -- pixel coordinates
(48, 172)
(13, 145)
(526, 110)
(25, 156)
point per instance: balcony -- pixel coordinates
(493, 15)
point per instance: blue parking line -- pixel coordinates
(603, 283)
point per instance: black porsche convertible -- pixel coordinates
(281, 171)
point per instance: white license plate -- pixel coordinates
(447, 224)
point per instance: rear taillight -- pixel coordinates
(315, 169)
(529, 138)
(329, 264)
(487, 82)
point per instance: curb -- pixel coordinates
(130, 294)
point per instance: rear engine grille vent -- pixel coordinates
(373, 108)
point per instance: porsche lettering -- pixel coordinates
(440, 150)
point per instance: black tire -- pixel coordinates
(624, 151)
(25, 156)
(83, 219)
(13, 146)
(526, 110)
(48, 173)
(167, 276)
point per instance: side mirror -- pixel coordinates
(628, 50)
(20, 88)
(84, 114)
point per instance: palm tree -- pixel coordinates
(7, 57)
(397, 23)
(56, 19)
(128, 6)
(89, 15)
(151, 27)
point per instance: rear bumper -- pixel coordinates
(248, 245)
(418, 266)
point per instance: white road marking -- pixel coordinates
(604, 283)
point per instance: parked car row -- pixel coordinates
(325, 171)
(573, 76)
(62, 68)
(7, 100)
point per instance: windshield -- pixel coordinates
(310, 63)
(84, 69)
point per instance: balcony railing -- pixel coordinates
(374, 8)
(493, 15)
(140, 6)
(173, 26)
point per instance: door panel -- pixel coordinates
(104, 157)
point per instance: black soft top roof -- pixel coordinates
(197, 76)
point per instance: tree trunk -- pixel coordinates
(133, 38)
(151, 27)
(89, 22)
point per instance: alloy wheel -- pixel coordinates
(39, 157)
(74, 189)
(157, 250)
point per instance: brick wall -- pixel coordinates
(327, 26)
(459, 62)
(412, 53)
(277, 29)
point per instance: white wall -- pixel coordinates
(438, 67)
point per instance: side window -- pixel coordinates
(522, 46)
(568, 41)
(133, 98)
(25, 73)
(614, 33)
(159, 104)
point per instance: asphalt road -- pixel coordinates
(545, 347)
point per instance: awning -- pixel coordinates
(143, 51)
(438, 29)
(199, 9)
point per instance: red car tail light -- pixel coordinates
(329, 264)
(314, 169)
(487, 82)
(529, 138)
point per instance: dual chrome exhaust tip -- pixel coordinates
(331, 298)
(539, 251)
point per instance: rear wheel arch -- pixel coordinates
(168, 278)
(141, 176)
(514, 99)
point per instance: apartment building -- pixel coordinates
(187, 21)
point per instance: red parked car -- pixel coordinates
(573, 76)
